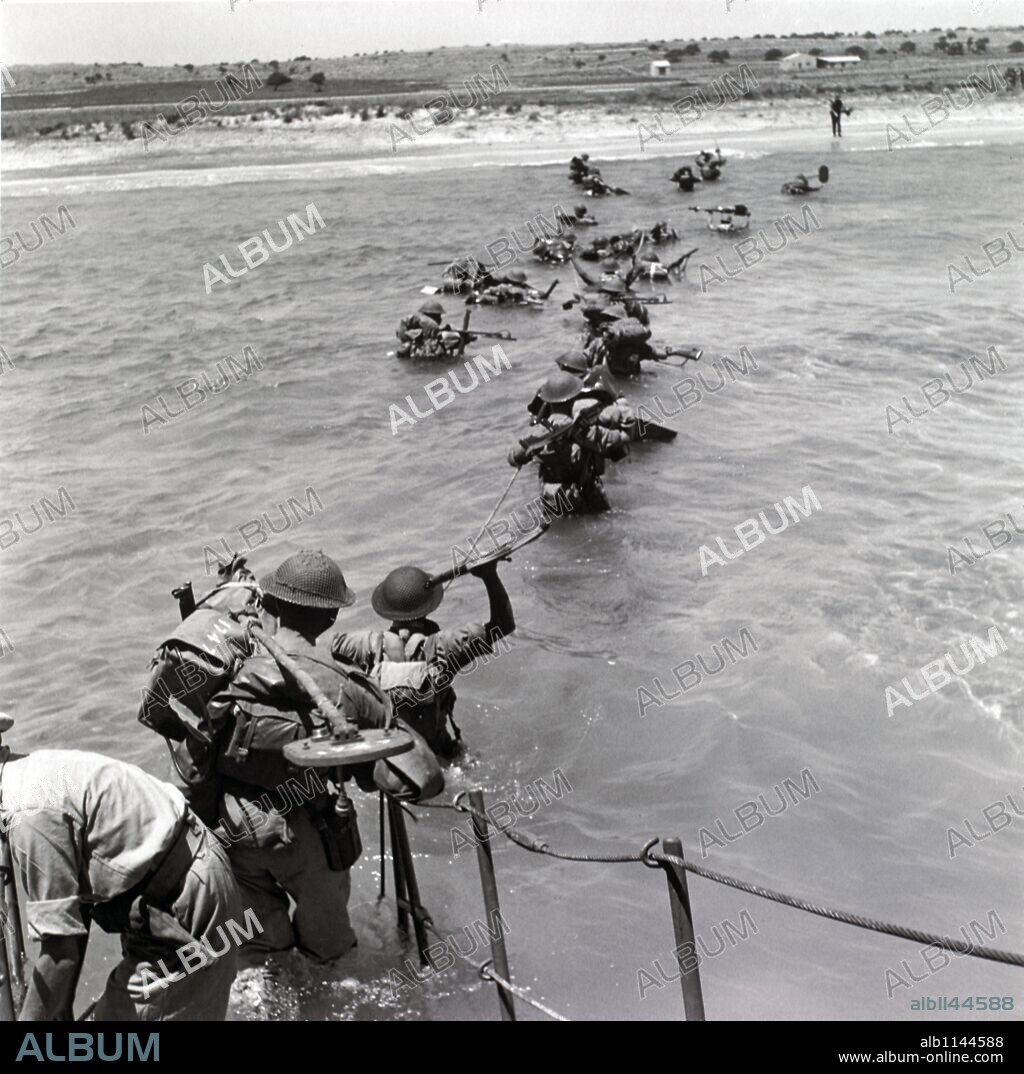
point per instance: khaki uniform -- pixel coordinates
(95, 840)
(270, 810)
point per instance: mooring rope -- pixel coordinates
(656, 859)
(488, 973)
(490, 518)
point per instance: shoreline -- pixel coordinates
(338, 146)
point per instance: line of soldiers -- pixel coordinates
(245, 863)
(585, 417)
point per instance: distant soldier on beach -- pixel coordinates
(837, 111)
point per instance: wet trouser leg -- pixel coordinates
(160, 980)
(319, 925)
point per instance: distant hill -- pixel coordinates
(892, 62)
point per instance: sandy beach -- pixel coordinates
(278, 140)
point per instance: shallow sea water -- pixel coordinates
(844, 321)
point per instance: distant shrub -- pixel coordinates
(1015, 47)
(908, 47)
(692, 49)
(318, 80)
(856, 50)
(277, 80)
(773, 54)
(718, 55)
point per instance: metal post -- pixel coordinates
(401, 901)
(488, 882)
(682, 925)
(407, 888)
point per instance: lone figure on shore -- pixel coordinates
(837, 111)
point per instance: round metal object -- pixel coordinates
(329, 752)
(6, 722)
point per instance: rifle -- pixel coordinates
(651, 430)
(536, 444)
(503, 334)
(452, 260)
(504, 552)
(468, 336)
(691, 354)
(680, 264)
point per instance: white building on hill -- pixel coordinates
(798, 61)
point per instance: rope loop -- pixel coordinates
(647, 857)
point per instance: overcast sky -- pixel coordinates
(207, 31)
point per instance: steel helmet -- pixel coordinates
(404, 595)
(599, 382)
(574, 361)
(610, 265)
(433, 308)
(613, 287)
(310, 580)
(560, 387)
(517, 276)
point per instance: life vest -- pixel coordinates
(419, 690)
(626, 334)
(423, 326)
(197, 660)
(261, 710)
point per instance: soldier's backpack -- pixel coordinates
(420, 690)
(626, 333)
(196, 661)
